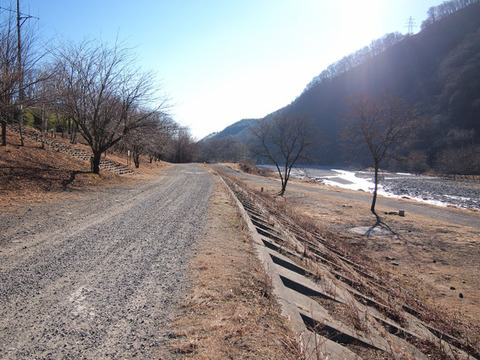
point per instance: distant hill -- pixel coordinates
(238, 130)
(437, 72)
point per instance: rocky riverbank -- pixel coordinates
(463, 194)
(431, 189)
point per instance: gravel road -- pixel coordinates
(99, 276)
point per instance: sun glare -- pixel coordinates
(360, 22)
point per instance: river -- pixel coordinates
(430, 189)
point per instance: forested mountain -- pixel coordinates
(436, 72)
(238, 130)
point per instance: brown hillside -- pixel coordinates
(30, 174)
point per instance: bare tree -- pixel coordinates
(105, 94)
(42, 99)
(46, 95)
(163, 144)
(149, 138)
(283, 140)
(184, 147)
(8, 75)
(377, 125)
(19, 60)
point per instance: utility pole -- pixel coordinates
(21, 18)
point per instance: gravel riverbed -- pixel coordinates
(464, 194)
(431, 189)
(99, 275)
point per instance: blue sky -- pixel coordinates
(220, 61)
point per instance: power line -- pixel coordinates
(21, 15)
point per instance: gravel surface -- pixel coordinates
(435, 190)
(100, 275)
(464, 194)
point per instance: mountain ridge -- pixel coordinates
(436, 72)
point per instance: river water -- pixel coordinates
(430, 189)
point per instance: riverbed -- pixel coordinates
(434, 190)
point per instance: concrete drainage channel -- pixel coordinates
(338, 309)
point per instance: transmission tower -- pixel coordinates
(410, 24)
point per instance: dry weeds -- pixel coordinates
(432, 265)
(230, 313)
(434, 261)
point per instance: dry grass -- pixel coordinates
(31, 174)
(230, 313)
(428, 263)
(250, 168)
(432, 260)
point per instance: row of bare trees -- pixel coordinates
(105, 94)
(374, 126)
(437, 13)
(95, 89)
(357, 58)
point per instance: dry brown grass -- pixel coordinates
(230, 313)
(31, 174)
(434, 261)
(428, 263)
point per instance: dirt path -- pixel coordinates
(99, 276)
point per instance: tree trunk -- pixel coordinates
(43, 129)
(374, 200)
(63, 127)
(4, 132)
(97, 155)
(136, 159)
(284, 178)
(74, 135)
(21, 93)
(56, 125)
(20, 125)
